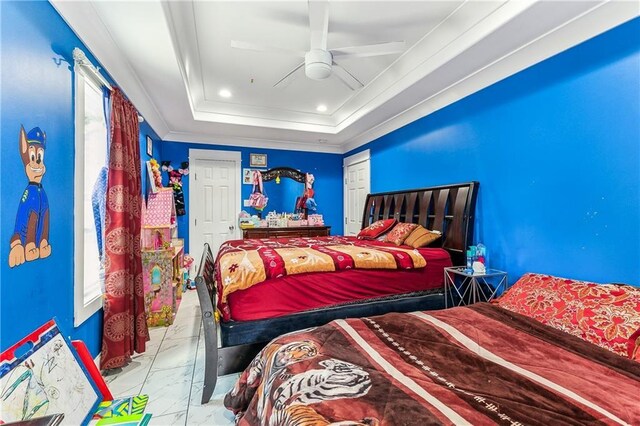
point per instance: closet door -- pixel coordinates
(356, 187)
(214, 204)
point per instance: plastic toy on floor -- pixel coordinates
(187, 262)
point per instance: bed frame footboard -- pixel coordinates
(210, 340)
(217, 361)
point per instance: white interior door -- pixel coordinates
(357, 185)
(214, 202)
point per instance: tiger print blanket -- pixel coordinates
(469, 365)
(243, 263)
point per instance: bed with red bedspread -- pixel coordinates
(476, 365)
(280, 295)
(303, 274)
(549, 351)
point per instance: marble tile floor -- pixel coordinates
(171, 372)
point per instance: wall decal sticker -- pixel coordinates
(30, 239)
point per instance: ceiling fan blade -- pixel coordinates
(319, 23)
(245, 45)
(345, 76)
(287, 79)
(369, 50)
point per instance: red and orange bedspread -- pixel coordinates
(244, 263)
(468, 365)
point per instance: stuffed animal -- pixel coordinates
(155, 170)
(175, 181)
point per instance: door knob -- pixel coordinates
(231, 228)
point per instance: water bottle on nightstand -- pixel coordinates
(479, 263)
(469, 268)
(481, 254)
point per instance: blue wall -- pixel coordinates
(327, 169)
(556, 149)
(37, 92)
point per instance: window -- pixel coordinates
(90, 172)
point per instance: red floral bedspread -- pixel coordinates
(606, 315)
(470, 365)
(243, 263)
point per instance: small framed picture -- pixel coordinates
(257, 160)
(149, 146)
(247, 175)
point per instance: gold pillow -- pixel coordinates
(422, 237)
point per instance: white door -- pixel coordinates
(214, 204)
(357, 186)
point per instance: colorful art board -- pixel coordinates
(47, 378)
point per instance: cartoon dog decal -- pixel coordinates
(30, 239)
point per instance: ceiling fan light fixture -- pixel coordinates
(224, 93)
(317, 64)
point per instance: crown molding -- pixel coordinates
(205, 139)
(552, 27)
(602, 17)
(85, 22)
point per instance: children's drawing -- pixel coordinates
(47, 379)
(30, 239)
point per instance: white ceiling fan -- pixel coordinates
(319, 62)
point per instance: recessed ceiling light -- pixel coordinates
(321, 108)
(224, 93)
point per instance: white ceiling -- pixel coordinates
(172, 59)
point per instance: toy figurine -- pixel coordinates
(158, 242)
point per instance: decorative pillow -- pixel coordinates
(382, 237)
(606, 315)
(376, 229)
(400, 232)
(421, 237)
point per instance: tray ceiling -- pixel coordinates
(173, 59)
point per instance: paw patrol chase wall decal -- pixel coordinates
(30, 239)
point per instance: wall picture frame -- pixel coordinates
(149, 146)
(258, 160)
(247, 175)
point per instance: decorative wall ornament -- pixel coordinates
(30, 239)
(287, 172)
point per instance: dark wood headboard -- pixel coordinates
(449, 209)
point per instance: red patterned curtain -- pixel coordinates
(125, 326)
